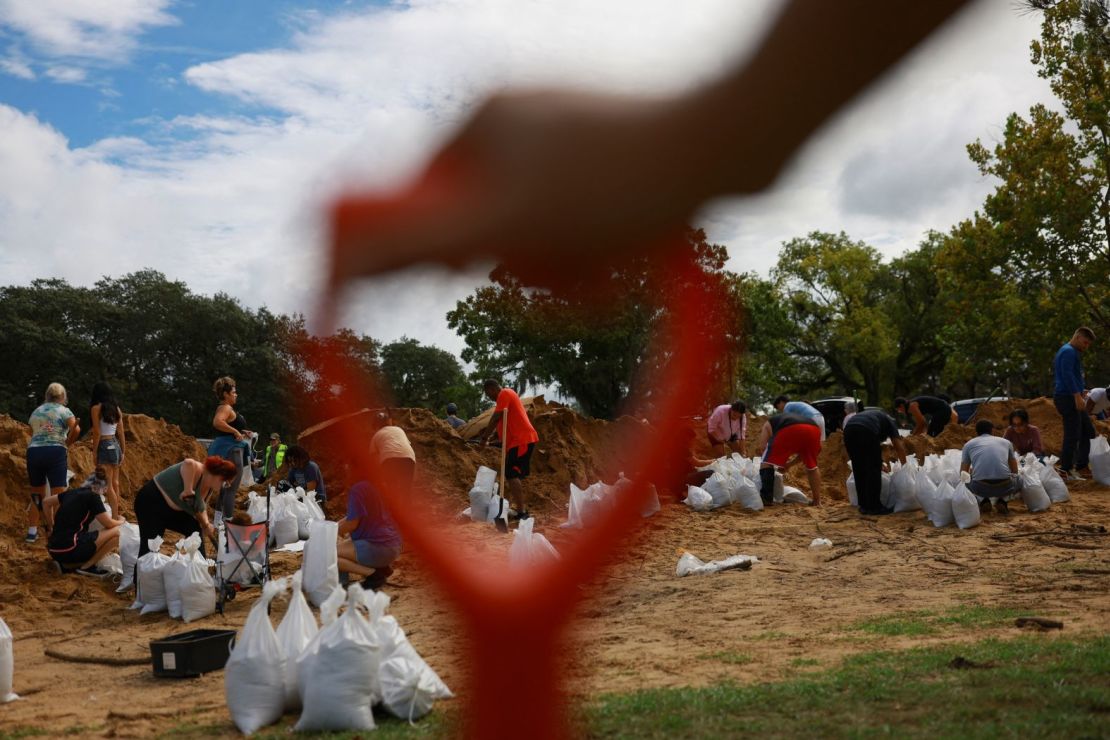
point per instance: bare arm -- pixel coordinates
(919, 423)
(94, 414)
(120, 435)
(346, 526)
(764, 436)
(108, 522)
(493, 422)
(74, 431)
(224, 414)
(899, 447)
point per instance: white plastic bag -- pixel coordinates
(821, 543)
(150, 596)
(650, 505)
(256, 506)
(1053, 484)
(850, 485)
(940, 513)
(479, 505)
(295, 632)
(172, 573)
(128, 555)
(341, 681)
(697, 499)
(717, 488)
(1099, 460)
(321, 561)
(691, 565)
(902, 487)
(7, 664)
(530, 549)
(254, 677)
(284, 529)
(965, 507)
(111, 563)
(295, 507)
(746, 493)
(778, 492)
(792, 495)
(1033, 492)
(329, 612)
(198, 590)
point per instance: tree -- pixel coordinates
(428, 377)
(594, 340)
(1052, 205)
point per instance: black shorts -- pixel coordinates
(47, 464)
(79, 553)
(518, 466)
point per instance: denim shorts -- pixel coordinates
(373, 555)
(47, 464)
(108, 452)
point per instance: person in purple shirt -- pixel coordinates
(1078, 430)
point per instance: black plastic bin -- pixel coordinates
(191, 653)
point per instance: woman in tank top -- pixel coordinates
(108, 438)
(177, 499)
(231, 440)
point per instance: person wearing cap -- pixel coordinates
(275, 455)
(374, 542)
(452, 416)
(727, 427)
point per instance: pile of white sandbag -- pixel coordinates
(290, 514)
(586, 507)
(530, 549)
(485, 504)
(938, 487)
(334, 674)
(180, 585)
(735, 480)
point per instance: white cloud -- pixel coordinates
(65, 74)
(232, 203)
(16, 66)
(90, 29)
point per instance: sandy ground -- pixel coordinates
(639, 626)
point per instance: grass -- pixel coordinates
(803, 662)
(917, 623)
(1028, 687)
(726, 656)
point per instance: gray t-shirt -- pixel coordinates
(989, 457)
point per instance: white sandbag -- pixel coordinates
(7, 664)
(296, 508)
(315, 511)
(256, 507)
(778, 491)
(329, 612)
(479, 505)
(697, 499)
(128, 555)
(198, 590)
(150, 596)
(486, 480)
(792, 495)
(584, 508)
(691, 565)
(321, 561)
(820, 543)
(1053, 484)
(1099, 460)
(284, 529)
(746, 493)
(650, 506)
(111, 563)
(172, 574)
(717, 488)
(850, 485)
(408, 688)
(1033, 492)
(530, 549)
(902, 483)
(965, 507)
(341, 681)
(254, 677)
(940, 512)
(885, 489)
(295, 632)
(926, 492)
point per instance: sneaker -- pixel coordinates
(984, 506)
(94, 571)
(1000, 507)
(377, 579)
(31, 539)
(1074, 475)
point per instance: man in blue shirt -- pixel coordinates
(1078, 430)
(784, 405)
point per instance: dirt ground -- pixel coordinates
(639, 625)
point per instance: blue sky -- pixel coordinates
(204, 139)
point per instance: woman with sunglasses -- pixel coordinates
(1023, 436)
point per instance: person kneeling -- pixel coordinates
(74, 548)
(993, 465)
(374, 540)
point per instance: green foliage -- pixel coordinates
(1029, 687)
(591, 339)
(161, 347)
(428, 377)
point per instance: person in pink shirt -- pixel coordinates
(728, 427)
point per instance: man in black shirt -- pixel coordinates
(937, 409)
(71, 544)
(864, 434)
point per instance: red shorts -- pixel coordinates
(797, 439)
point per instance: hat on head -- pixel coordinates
(275, 435)
(452, 408)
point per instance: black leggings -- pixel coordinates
(155, 517)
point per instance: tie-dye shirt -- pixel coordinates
(50, 425)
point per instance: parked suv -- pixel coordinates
(833, 411)
(967, 407)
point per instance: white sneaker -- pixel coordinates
(1072, 475)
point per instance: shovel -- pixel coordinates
(502, 524)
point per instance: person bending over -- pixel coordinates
(72, 546)
(727, 427)
(939, 414)
(519, 442)
(787, 436)
(177, 499)
(784, 405)
(864, 435)
(305, 473)
(993, 466)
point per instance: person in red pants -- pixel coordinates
(784, 437)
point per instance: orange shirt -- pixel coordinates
(521, 433)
